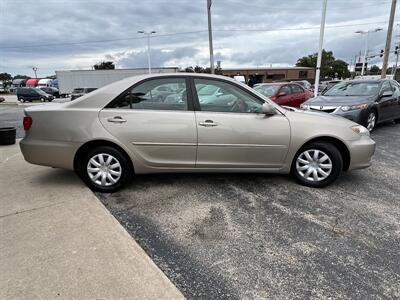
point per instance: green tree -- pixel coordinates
(21, 77)
(5, 77)
(104, 65)
(374, 70)
(330, 67)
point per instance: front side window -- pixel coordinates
(386, 87)
(286, 89)
(147, 95)
(296, 89)
(225, 97)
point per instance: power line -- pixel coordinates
(187, 32)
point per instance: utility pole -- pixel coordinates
(210, 40)
(34, 70)
(321, 41)
(388, 40)
(148, 46)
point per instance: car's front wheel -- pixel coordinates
(317, 164)
(105, 169)
(371, 120)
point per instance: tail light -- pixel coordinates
(27, 122)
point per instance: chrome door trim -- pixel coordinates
(162, 144)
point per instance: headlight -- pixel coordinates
(361, 130)
(354, 107)
(304, 106)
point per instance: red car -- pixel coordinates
(284, 93)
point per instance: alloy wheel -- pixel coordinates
(371, 121)
(104, 169)
(314, 165)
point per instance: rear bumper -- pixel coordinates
(56, 154)
(361, 152)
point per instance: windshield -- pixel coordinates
(267, 90)
(353, 89)
(41, 92)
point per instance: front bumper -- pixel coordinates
(358, 116)
(361, 152)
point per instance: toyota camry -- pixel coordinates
(125, 129)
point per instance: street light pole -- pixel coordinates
(388, 40)
(210, 39)
(34, 70)
(148, 46)
(321, 41)
(366, 46)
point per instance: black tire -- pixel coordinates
(21, 99)
(42, 99)
(397, 121)
(336, 161)
(126, 169)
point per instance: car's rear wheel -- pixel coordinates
(397, 121)
(105, 169)
(42, 99)
(21, 99)
(317, 164)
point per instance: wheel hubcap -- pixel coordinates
(314, 165)
(104, 169)
(371, 121)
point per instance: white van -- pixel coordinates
(45, 82)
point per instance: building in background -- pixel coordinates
(272, 74)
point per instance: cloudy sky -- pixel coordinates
(75, 34)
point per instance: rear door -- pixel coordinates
(234, 133)
(162, 135)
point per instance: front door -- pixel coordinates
(159, 132)
(386, 103)
(233, 133)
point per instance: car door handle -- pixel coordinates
(208, 123)
(116, 120)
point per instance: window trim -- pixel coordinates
(189, 100)
(196, 101)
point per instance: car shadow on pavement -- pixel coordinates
(53, 177)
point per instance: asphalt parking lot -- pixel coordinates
(264, 236)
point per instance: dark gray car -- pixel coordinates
(78, 92)
(366, 102)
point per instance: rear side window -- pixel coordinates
(148, 95)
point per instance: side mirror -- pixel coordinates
(281, 94)
(268, 109)
(387, 94)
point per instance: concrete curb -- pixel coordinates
(58, 240)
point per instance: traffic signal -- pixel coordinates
(396, 50)
(381, 55)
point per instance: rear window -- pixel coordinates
(78, 90)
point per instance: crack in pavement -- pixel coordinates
(30, 210)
